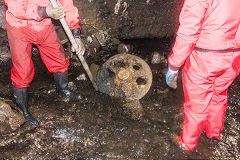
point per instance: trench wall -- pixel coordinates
(126, 19)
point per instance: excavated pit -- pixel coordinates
(98, 127)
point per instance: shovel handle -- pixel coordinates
(64, 24)
(74, 43)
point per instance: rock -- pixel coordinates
(10, 117)
(81, 77)
(124, 48)
(157, 58)
(72, 86)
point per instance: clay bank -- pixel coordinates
(102, 125)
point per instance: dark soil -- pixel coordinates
(98, 128)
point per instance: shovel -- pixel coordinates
(74, 43)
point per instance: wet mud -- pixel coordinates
(97, 127)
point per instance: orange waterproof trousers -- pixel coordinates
(206, 78)
(51, 52)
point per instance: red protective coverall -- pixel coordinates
(206, 76)
(25, 27)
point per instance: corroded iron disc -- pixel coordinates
(125, 75)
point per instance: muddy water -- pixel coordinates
(98, 128)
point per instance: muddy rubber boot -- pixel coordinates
(21, 98)
(61, 80)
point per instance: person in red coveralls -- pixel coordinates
(29, 22)
(207, 45)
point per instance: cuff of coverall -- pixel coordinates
(76, 32)
(174, 61)
(187, 146)
(171, 67)
(74, 24)
(42, 12)
(217, 136)
(20, 85)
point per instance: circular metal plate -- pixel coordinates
(131, 76)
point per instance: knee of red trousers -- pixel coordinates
(23, 78)
(59, 68)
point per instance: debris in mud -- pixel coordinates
(82, 77)
(124, 48)
(157, 58)
(93, 41)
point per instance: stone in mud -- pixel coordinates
(82, 77)
(157, 58)
(124, 48)
(11, 117)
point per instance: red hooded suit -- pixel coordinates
(25, 27)
(208, 42)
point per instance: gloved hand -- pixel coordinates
(79, 47)
(55, 13)
(171, 77)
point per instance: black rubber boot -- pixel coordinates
(61, 80)
(21, 98)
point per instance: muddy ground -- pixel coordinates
(98, 128)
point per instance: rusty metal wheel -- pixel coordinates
(132, 77)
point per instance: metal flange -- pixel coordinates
(124, 75)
